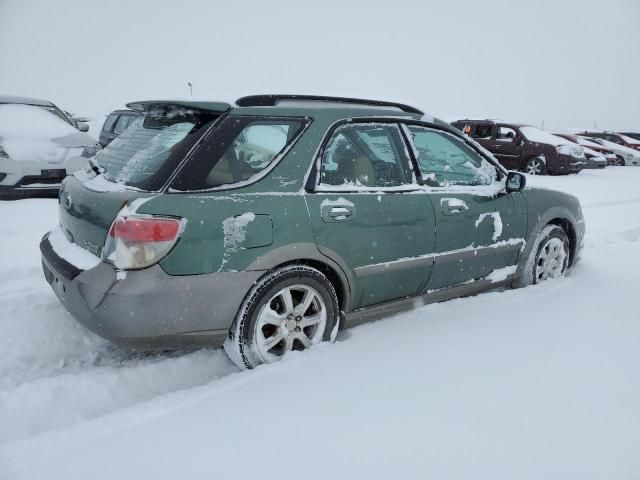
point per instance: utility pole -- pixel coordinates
(190, 88)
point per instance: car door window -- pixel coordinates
(122, 123)
(505, 134)
(365, 155)
(109, 122)
(445, 160)
(482, 132)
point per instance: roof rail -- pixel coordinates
(272, 100)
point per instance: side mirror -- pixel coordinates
(83, 127)
(515, 182)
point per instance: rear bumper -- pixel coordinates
(148, 309)
(16, 193)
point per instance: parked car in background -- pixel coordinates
(614, 137)
(46, 105)
(633, 135)
(38, 148)
(116, 123)
(525, 147)
(625, 155)
(271, 223)
(596, 155)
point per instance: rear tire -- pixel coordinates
(292, 308)
(535, 166)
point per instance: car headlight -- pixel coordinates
(575, 151)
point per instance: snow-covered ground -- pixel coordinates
(540, 382)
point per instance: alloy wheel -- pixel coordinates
(534, 167)
(295, 318)
(551, 260)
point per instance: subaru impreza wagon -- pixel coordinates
(269, 224)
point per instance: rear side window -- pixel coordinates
(444, 160)
(122, 123)
(239, 149)
(109, 122)
(482, 131)
(366, 155)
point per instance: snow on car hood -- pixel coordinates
(540, 136)
(30, 133)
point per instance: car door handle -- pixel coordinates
(337, 213)
(453, 206)
(340, 213)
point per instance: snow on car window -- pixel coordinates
(141, 150)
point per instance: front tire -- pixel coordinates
(536, 166)
(620, 161)
(292, 308)
(549, 257)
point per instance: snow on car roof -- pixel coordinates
(22, 120)
(23, 100)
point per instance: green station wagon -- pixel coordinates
(269, 224)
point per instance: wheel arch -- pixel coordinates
(570, 230)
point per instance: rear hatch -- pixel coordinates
(135, 166)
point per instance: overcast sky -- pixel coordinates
(571, 63)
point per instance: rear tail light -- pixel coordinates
(138, 241)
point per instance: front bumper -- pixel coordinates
(148, 309)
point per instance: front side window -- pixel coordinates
(444, 160)
(365, 155)
(505, 134)
(239, 149)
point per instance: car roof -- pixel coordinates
(491, 122)
(126, 111)
(24, 100)
(298, 105)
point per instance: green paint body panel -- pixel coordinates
(369, 251)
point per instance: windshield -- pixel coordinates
(151, 147)
(540, 136)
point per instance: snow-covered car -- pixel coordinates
(624, 155)
(634, 135)
(271, 223)
(525, 147)
(613, 137)
(597, 156)
(38, 148)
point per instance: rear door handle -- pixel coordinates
(453, 206)
(337, 213)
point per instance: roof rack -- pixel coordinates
(272, 100)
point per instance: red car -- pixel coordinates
(614, 137)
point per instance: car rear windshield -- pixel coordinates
(149, 150)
